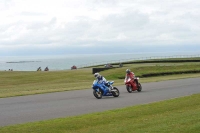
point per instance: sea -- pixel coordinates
(65, 62)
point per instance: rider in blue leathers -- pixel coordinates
(101, 80)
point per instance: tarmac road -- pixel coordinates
(17, 110)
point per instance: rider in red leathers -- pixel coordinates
(130, 75)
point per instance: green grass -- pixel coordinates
(25, 83)
(18, 83)
(141, 69)
(180, 115)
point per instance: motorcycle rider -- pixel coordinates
(102, 80)
(131, 75)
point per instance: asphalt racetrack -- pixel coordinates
(18, 110)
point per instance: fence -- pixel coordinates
(137, 59)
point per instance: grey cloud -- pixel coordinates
(32, 14)
(35, 33)
(105, 2)
(4, 28)
(137, 26)
(126, 22)
(42, 25)
(167, 24)
(5, 4)
(98, 49)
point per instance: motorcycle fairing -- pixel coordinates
(97, 85)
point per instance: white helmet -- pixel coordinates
(97, 75)
(128, 70)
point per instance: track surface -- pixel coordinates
(17, 110)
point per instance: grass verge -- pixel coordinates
(180, 115)
(19, 83)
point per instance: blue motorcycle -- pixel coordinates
(99, 89)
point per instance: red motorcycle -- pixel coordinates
(133, 85)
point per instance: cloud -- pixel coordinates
(25, 13)
(69, 24)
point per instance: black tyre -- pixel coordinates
(115, 92)
(98, 95)
(139, 87)
(129, 89)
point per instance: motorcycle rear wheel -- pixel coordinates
(129, 89)
(115, 92)
(98, 95)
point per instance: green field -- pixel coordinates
(18, 83)
(180, 115)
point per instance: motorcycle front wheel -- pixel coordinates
(129, 89)
(139, 87)
(115, 92)
(98, 94)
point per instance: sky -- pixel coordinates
(61, 27)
